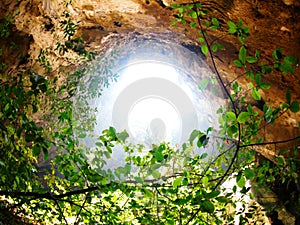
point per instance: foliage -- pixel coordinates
(74, 187)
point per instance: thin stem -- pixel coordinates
(81, 207)
(233, 107)
(271, 142)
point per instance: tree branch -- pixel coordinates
(234, 110)
(271, 142)
(48, 195)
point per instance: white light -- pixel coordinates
(153, 119)
(146, 92)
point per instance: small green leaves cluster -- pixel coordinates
(241, 31)
(192, 13)
(284, 63)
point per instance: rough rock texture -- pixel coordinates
(38, 26)
(272, 24)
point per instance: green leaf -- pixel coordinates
(292, 59)
(236, 87)
(232, 27)
(205, 180)
(112, 132)
(241, 182)
(6, 108)
(193, 24)
(294, 107)
(232, 130)
(46, 154)
(256, 95)
(212, 194)
(203, 84)
(194, 15)
(185, 182)
(127, 169)
(243, 117)
(148, 193)
(203, 156)
(159, 156)
(177, 182)
(231, 116)
(266, 69)
(138, 179)
(122, 136)
(202, 140)
(258, 79)
(204, 49)
(264, 85)
(174, 22)
(257, 54)
(175, 6)
(242, 55)
(222, 199)
(207, 24)
(214, 47)
(99, 144)
(250, 75)
(82, 135)
(251, 59)
(107, 154)
(286, 67)
(193, 136)
(249, 173)
(36, 150)
(156, 174)
(208, 206)
(288, 97)
(237, 63)
(201, 40)
(215, 22)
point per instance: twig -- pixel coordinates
(81, 207)
(234, 109)
(271, 142)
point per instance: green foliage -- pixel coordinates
(242, 32)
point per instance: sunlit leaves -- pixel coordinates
(240, 180)
(203, 83)
(122, 136)
(231, 116)
(177, 182)
(193, 136)
(249, 173)
(284, 63)
(238, 63)
(232, 27)
(243, 117)
(204, 49)
(251, 59)
(215, 23)
(242, 55)
(255, 94)
(238, 29)
(202, 138)
(207, 206)
(286, 66)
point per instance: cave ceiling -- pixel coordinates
(272, 24)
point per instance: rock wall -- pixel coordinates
(38, 26)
